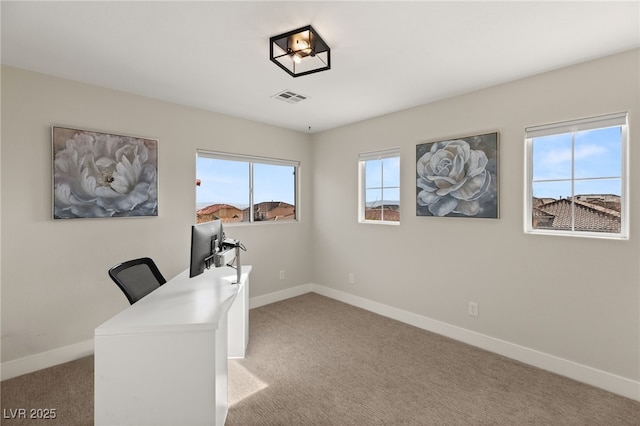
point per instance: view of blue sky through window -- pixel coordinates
(273, 183)
(578, 177)
(224, 181)
(383, 181)
(380, 180)
(592, 159)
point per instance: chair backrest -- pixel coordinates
(137, 278)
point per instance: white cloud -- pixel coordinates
(581, 152)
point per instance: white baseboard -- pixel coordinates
(579, 372)
(256, 302)
(31, 363)
(582, 373)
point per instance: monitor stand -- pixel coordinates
(238, 265)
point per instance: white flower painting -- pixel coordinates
(97, 175)
(458, 177)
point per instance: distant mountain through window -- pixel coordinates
(245, 188)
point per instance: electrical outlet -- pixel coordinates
(352, 278)
(282, 274)
(473, 309)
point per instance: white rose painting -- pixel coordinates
(458, 177)
(103, 175)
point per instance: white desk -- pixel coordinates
(163, 360)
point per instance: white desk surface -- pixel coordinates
(182, 303)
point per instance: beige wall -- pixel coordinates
(55, 288)
(573, 298)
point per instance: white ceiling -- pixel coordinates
(386, 56)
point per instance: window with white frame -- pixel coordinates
(240, 188)
(577, 177)
(379, 184)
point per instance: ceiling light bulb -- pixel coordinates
(294, 52)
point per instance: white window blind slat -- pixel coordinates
(246, 158)
(378, 155)
(611, 120)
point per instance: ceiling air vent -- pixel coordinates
(290, 97)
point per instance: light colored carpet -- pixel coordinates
(67, 388)
(316, 361)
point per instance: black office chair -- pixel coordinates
(137, 278)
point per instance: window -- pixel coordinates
(379, 182)
(238, 188)
(577, 178)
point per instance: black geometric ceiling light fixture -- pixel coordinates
(300, 52)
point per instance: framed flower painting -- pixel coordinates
(100, 175)
(458, 177)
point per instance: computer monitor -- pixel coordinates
(206, 241)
